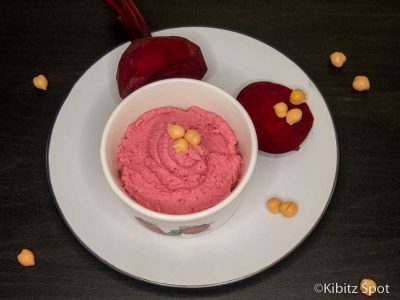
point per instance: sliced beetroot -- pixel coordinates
(148, 59)
(274, 134)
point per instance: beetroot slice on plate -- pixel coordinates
(274, 134)
(148, 59)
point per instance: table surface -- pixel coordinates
(358, 236)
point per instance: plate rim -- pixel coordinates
(184, 286)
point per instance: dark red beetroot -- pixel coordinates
(148, 59)
(274, 134)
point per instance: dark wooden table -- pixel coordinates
(359, 234)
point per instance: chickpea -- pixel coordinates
(338, 59)
(361, 83)
(297, 97)
(281, 109)
(26, 258)
(288, 209)
(180, 145)
(273, 205)
(368, 286)
(193, 137)
(175, 131)
(294, 116)
(40, 82)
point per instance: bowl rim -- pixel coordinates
(184, 217)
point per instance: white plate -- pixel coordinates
(253, 239)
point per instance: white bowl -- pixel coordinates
(181, 93)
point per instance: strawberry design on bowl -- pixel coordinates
(195, 229)
(190, 230)
(153, 227)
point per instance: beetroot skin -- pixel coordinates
(148, 59)
(274, 134)
(154, 58)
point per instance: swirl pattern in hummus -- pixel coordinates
(179, 183)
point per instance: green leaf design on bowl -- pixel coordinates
(174, 232)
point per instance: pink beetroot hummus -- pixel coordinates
(179, 183)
